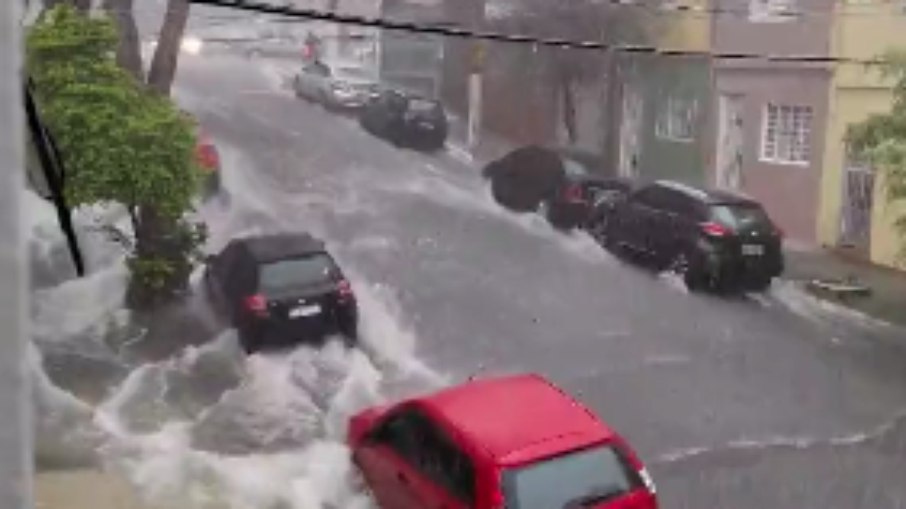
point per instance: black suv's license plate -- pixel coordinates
(752, 250)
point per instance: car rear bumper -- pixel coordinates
(353, 102)
(278, 332)
(568, 215)
(744, 270)
(424, 137)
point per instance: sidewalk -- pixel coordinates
(876, 291)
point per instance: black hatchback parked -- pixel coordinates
(279, 290)
(712, 238)
(406, 120)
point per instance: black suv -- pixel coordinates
(406, 120)
(281, 289)
(712, 238)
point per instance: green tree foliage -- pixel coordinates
(120, 143)
(881, 138)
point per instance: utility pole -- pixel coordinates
(473, 134)
(16, 474)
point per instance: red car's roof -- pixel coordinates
(518, 419)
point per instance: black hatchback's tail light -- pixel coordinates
(344, 291)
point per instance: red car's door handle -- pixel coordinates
(401, 477)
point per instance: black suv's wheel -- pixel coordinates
(349, 329)
(684, 266)
(247, 340)
(760, 284)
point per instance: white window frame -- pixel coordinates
(769, 154)
(668, 125)
(772, 11)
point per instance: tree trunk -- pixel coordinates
(128, 52)
(163, 66)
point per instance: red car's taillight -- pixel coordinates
(647, 480)
(207, 157)
(712, 229)
(256, 305)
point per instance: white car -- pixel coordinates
(337, 87)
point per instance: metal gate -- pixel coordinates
(858, 200)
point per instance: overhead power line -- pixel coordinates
(453, 30)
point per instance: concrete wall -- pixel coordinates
(682, 78)
(734, 31)
(789, 192)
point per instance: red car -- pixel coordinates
(517, 442)
(208, 158)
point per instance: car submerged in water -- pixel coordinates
(516, 442)
(560, 184)
(281, 290)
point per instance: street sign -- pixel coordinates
(479, 55)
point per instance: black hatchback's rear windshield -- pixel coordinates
(740, 217)
(279, 276)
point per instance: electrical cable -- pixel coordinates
(54, 174)
(452, 30)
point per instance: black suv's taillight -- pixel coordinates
(344, 291)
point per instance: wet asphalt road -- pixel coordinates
(736, 403)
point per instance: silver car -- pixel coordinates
(337, 87)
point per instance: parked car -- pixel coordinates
(711, 238)
(406, 120)
(208, 158)
(339, 86)
(603, 204)
(281, 289)
(561, 184)
(517, 442)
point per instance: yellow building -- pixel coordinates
(854, 211)
(684, 25)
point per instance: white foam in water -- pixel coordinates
(299, 401)
(307, 392)
(795, 298)
(82, 305)
(674, 281)
(270, 435)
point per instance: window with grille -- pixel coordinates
(786, 133)
(676, 120)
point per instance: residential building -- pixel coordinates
(661, 124)
(854, 212)
(408, 60)
(770, 116)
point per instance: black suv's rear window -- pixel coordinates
(292, 273)
(740, 217)
(423, 106)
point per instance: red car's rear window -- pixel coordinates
(601, 472)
